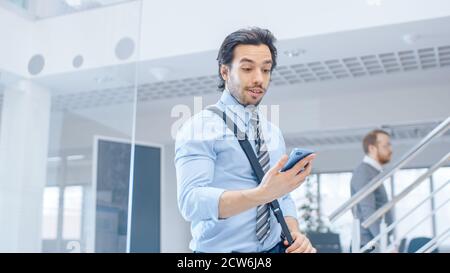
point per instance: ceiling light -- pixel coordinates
(74, 3)
(54, 159)
(75, 157)
(103, 79)
(159, 73)
(294, 52)
(374, 2)
(411, 38)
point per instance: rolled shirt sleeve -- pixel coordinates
(194, 161)
(288, 207)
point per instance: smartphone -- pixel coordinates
(296, 155)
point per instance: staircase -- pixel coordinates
(381, 242)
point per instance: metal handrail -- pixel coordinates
(386, 207)
(433, 241)
(437, 244)
(379, 179)
(395, 223)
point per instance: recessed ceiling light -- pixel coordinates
(411, 38)
(75, 157)
(294, 52)
(374, 2)
(159, 73)
(54, 159)
(103, 79)
(74, 3)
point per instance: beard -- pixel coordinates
(243, 96)
(384, 159)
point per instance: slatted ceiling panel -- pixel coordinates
(284, 75)
(401, 135)
(355, 136)
(358, 138)
(340, 139)
(427, 58)
(326, 141)
(336, 140)
(444, 56)
(349, 139)
(337, 69)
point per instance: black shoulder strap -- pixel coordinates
(254, 162)
(243, 142)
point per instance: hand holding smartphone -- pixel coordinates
(296, 155)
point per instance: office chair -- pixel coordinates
(402, 246)
(325, 242)
(418, 242)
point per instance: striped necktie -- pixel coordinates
(262, 211)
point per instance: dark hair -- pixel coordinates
(371, 139)
(248, 36)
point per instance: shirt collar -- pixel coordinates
(372, 162)
(233, 105)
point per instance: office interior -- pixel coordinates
(92, 93)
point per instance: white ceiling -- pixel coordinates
(366, 57)
(380, 53)
(346, 56)
(42, 9)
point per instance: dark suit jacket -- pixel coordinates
(362, 175)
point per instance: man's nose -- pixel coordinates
(257, 77)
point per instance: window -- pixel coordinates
(68, 212)
(335, 190)
(403, 179)
(299, 194)
(441, 177)
(73, 197)
(303, 203)
(50, 213)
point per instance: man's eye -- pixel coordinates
(266, 70)
(246, 69)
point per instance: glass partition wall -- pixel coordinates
(68, 97)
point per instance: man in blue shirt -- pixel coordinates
(218, 191)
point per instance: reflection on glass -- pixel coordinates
(56, 115)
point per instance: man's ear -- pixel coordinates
(224, 71)
(371, 148)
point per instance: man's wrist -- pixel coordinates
(256, 195)
(292, 224)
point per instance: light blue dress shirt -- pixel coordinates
(209, 161)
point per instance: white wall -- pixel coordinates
(15, 42)
(372, 101)
(312, 107)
